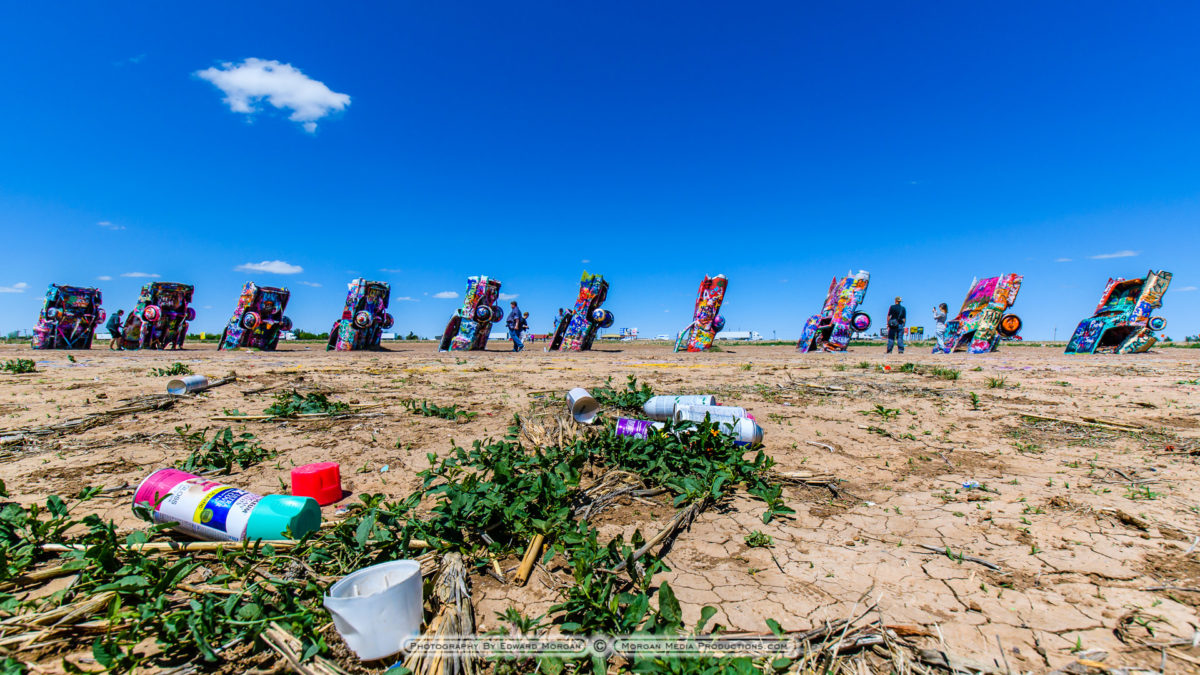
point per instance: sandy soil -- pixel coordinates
(1080, 520)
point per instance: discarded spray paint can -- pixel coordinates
(636, 428)
(718, 413)
(662, 408)
(744, 431)
(187, 384)
(206, 509)
(582, 406)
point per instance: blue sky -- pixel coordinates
(777, 143)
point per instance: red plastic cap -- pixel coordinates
(321, 481)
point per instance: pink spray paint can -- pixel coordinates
(197, 506)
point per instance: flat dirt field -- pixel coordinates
(1078, 545)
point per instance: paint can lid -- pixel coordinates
(322, 481)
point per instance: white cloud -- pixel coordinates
(389, 270)
(1185, 289)
(281, 84)
(110, 226)
(18, 287)
(405, 298)
(666, 311)
(310, 283)
(1117, 254)
(509, 296)
(446, 295)
(139, 275)
(585, 261)
(270, 267)
(1062, 260)
(104, 277)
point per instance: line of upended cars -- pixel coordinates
(71, 315)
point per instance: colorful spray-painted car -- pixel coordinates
(577, 328)
(69, 318)
(839, 318)
(258, 319)
(706, 319)
(1122, 323)
(160, 318)
(364, 318)
(469, 327)
(982, 322)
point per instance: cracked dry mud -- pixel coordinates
(1080, 520)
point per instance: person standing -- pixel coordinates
(114, 329)
(939, 327)
(514, 327)
(525, 327)
(896, 318)
(562, 313)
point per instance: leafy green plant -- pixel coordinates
(631, 398)
(222, 452)
(176, 368)
(997, 382)
(1141, 493)
(757, 539)
(884, 414)
(18, 366)
(974, 399)
(945, 373)
(448, 412)
(292, 403)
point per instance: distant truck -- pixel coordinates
(747, 335)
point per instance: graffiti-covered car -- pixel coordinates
(839, 319)
(160, 318)
(364, 318)
(576, 330)
(69, 318)
(258, 318)
(469, 327)
(1122, 322)
(982, 322)
(706, 318)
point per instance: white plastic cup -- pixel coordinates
(187, 384)
(662, 408)
(583, 407)
(377, 610)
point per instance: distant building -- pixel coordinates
(745, 335)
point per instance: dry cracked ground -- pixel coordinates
(1080, 539)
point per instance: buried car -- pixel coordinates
(981, 323)
(1122, 323)
(69, 318)
(258, 318)
(364, 318)
(469, 327)
(706, 319)
(839, 319)
(160, 318)
(577, 329)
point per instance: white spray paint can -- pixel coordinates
(662, 408)
(718, 413)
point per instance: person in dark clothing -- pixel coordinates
(514, 327)
(896, 318)
(114, 329)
